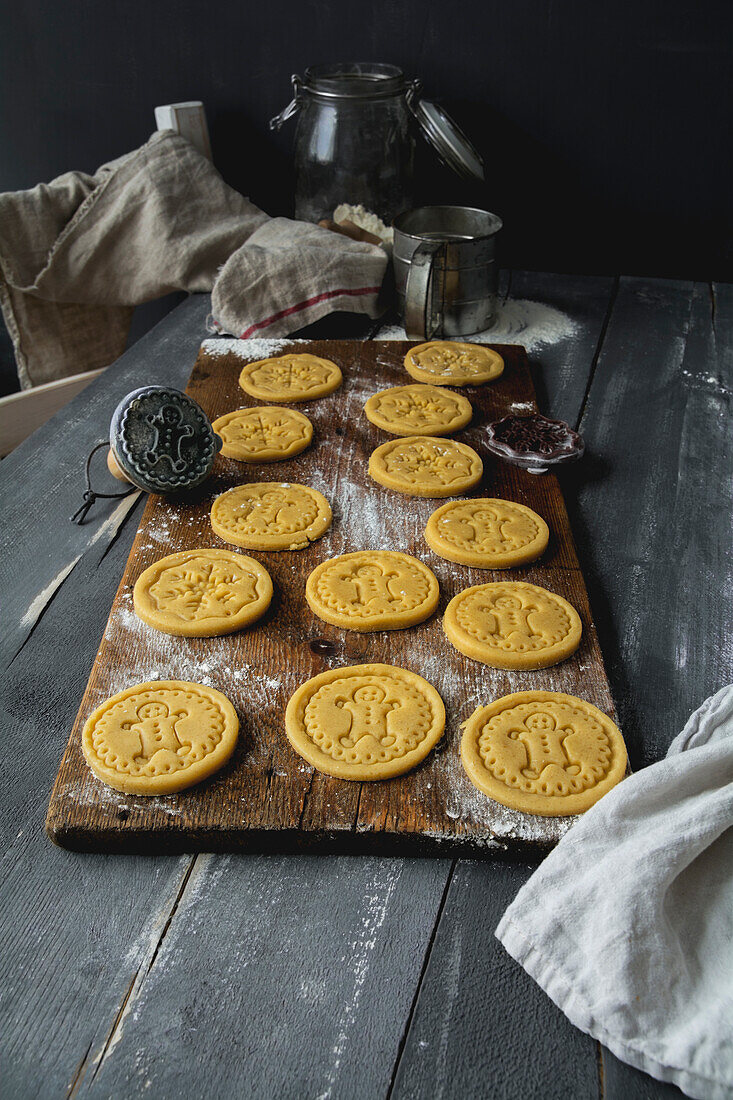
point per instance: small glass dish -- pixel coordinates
(533, 442)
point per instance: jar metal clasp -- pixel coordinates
(292, 108)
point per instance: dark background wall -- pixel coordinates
(604, 125)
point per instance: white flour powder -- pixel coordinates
(532, 324)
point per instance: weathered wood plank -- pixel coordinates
(653, 518)
(481, 1027)
(268, 800)
(280, 977)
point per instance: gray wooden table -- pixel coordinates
(316, 977)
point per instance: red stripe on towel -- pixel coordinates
(304, 305)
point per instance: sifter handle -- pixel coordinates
(419, 291)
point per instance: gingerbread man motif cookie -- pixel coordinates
(271, 515)
(263, 434)
(451, 363)
(160, 737)
(418, 410)
(297, 376)
(202, 593)
(372, 590)
(423, 466)
(543, 752)
(489, 533)
(512, 624)
(365, 722)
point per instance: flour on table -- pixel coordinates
(520, 321)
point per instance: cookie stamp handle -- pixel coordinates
(421, 322)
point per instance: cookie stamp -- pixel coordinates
(365, 722)
(372, 590)
(296, 376)
(271, 515)
(512, 624)
(489, 533)
(263, 434)
(424, 466)
(161, 440)
(161, 737)
(418, 410)
(202, 593)
(451, 363)
(543, 752)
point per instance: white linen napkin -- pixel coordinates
(628, 923)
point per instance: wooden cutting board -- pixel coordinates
(268, 798)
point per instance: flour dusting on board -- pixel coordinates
(531, 324)
(248, 350)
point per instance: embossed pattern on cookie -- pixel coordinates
(418, 410)
(365, 722)
(372, 590)
(271, 515)
(424, 466)
(263, 434)
(202, 593)
(297, 376)
(488, 533)
(451, 363)
(512, 624)
(543, 752)
(161, 737)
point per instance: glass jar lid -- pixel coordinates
(448, 139)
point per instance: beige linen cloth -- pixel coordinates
(77, 254)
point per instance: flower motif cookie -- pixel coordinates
(418, 410)
(297, 376)
(365, 722)
(512, 624)
(423, 466)
(450, 363)
(489, 533)
(202, 593)
(543, 752)
(271, 515)
(263, 434)
(372, 590)
(160, 737)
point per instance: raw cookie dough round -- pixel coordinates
(512, 624)
(421, 410)
(450, 363)
(160, 737)
(372, 590)
(202, 593)
(297, 376)
(365, 721)
(424, 466)
(271, 515)
(489, 533)
(263, 434)
(543, 752)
